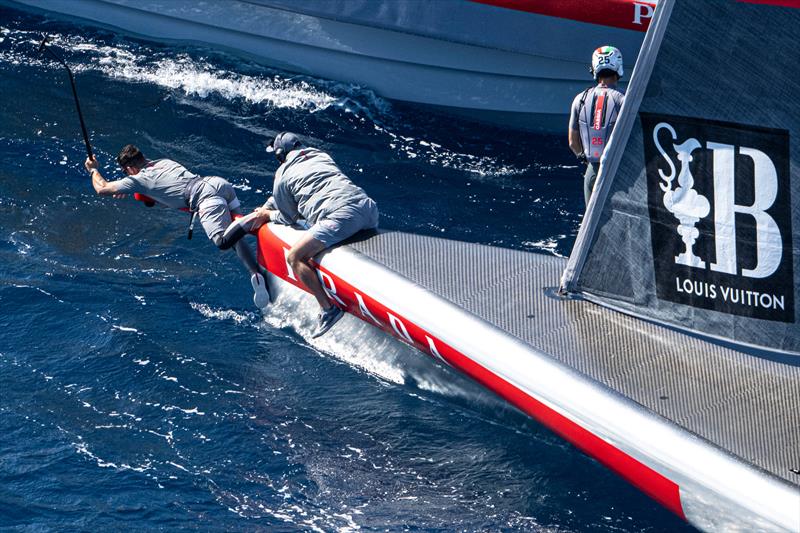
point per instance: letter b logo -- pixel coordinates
(769, 249)
(719, 200)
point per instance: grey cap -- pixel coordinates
(285, 142)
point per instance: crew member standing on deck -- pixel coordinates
(594, 113)
(212, 199)
(309, 186)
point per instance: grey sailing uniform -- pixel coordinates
(594, 112)
(171, 184)
(309, 186)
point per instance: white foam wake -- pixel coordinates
(222, 314)
(178, 72)
(365, 347)
(350, 341)
(201, 79)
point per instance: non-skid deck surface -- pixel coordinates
(746, 405)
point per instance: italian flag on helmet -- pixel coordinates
(607, 58)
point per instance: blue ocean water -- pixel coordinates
(139, 389)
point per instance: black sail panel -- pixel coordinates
(695, 217)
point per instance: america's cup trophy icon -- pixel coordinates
(683, 202)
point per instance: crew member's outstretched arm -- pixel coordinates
(101, 186)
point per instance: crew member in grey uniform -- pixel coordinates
(312, 191)
(210, 198)
(594, 113)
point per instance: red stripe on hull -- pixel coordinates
(271, 254)
(783, 3)
(626, 14)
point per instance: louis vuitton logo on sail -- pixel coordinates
(719, 205)
(732, 295)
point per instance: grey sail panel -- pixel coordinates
(693, 222)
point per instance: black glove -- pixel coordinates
(582, 158)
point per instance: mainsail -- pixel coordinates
(692, 219)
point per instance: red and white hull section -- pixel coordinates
(692, 478)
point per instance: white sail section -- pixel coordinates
(692, 220)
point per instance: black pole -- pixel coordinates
(43, 47)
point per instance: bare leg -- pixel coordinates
(303, 250)
(232, 237)
(243, 250)
(247, 256)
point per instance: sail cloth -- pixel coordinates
(692, 219)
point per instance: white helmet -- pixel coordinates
(606, 58)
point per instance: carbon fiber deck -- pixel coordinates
(746, 405)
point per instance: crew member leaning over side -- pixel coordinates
(310, 188)
(211, 198)
(594, 113)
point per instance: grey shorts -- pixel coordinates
(345, 222)
(216, 200)
(589, 178)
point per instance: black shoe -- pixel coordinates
(326, 320)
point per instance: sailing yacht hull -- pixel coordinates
(485, 62)
(693, 478)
